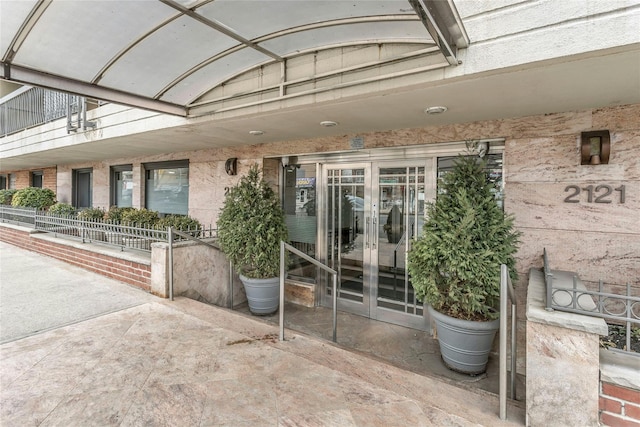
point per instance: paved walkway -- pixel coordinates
(148, 361)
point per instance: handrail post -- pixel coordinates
(548, 280)
(514, 351)
(285, 246)
(231, 285)
(503, 342)
(506, 291)
(334, 294)
(170, 239)
(281, 312)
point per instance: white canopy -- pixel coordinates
(168, 55)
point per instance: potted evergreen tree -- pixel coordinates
(250, 228)
(455, 263)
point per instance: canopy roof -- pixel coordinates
(172, 55)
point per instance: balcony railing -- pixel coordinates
(33, 106)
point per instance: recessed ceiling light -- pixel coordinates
(328, 124)
(256, 132)
(436, 110)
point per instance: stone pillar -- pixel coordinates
(160, 269)
(562, 376)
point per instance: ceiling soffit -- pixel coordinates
(194, 58)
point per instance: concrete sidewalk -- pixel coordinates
(184, 363)
(39, 293)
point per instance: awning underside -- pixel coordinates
(188, 58)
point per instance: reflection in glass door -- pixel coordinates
(400, 195)
(345, 234)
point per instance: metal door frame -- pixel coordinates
(322, 192)
(369, 306)
(381, 313)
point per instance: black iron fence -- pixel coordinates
(122, 235)
(614, 308)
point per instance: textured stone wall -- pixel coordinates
(200, 272)
(597, 240)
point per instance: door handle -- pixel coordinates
(366, 232)
(374, 229)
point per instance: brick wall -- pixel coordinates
(619, 406)
(22, 179)
(49, 178)
(133, 273)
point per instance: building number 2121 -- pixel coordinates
(602, 193)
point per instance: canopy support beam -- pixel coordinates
(30, 77)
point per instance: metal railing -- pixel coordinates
(617, 308)
(122, 235)
(507, 291)
(24, 216)
(33, 106)
(334, 290)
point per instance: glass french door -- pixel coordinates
(372, 213)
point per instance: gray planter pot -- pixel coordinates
(263, 295)
(464, 344)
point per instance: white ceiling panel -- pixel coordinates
(76, 39)
(371, 32)
(164, 55)
(266, 17)
(213, 74)
(12, 15)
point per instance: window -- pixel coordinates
(82, 187)
(299, 204)
(3, 182)
(493, 168)
(121, 186)
(36, 179)
(12, 181)
(167, 187)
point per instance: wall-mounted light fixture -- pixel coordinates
(231, 166)
(483, 148)
(595, 147)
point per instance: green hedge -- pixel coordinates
(114, 214)
(33, 197)
(62, 209)
(6, 196)
(180, 222)
(92, 214)
(140, 217)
